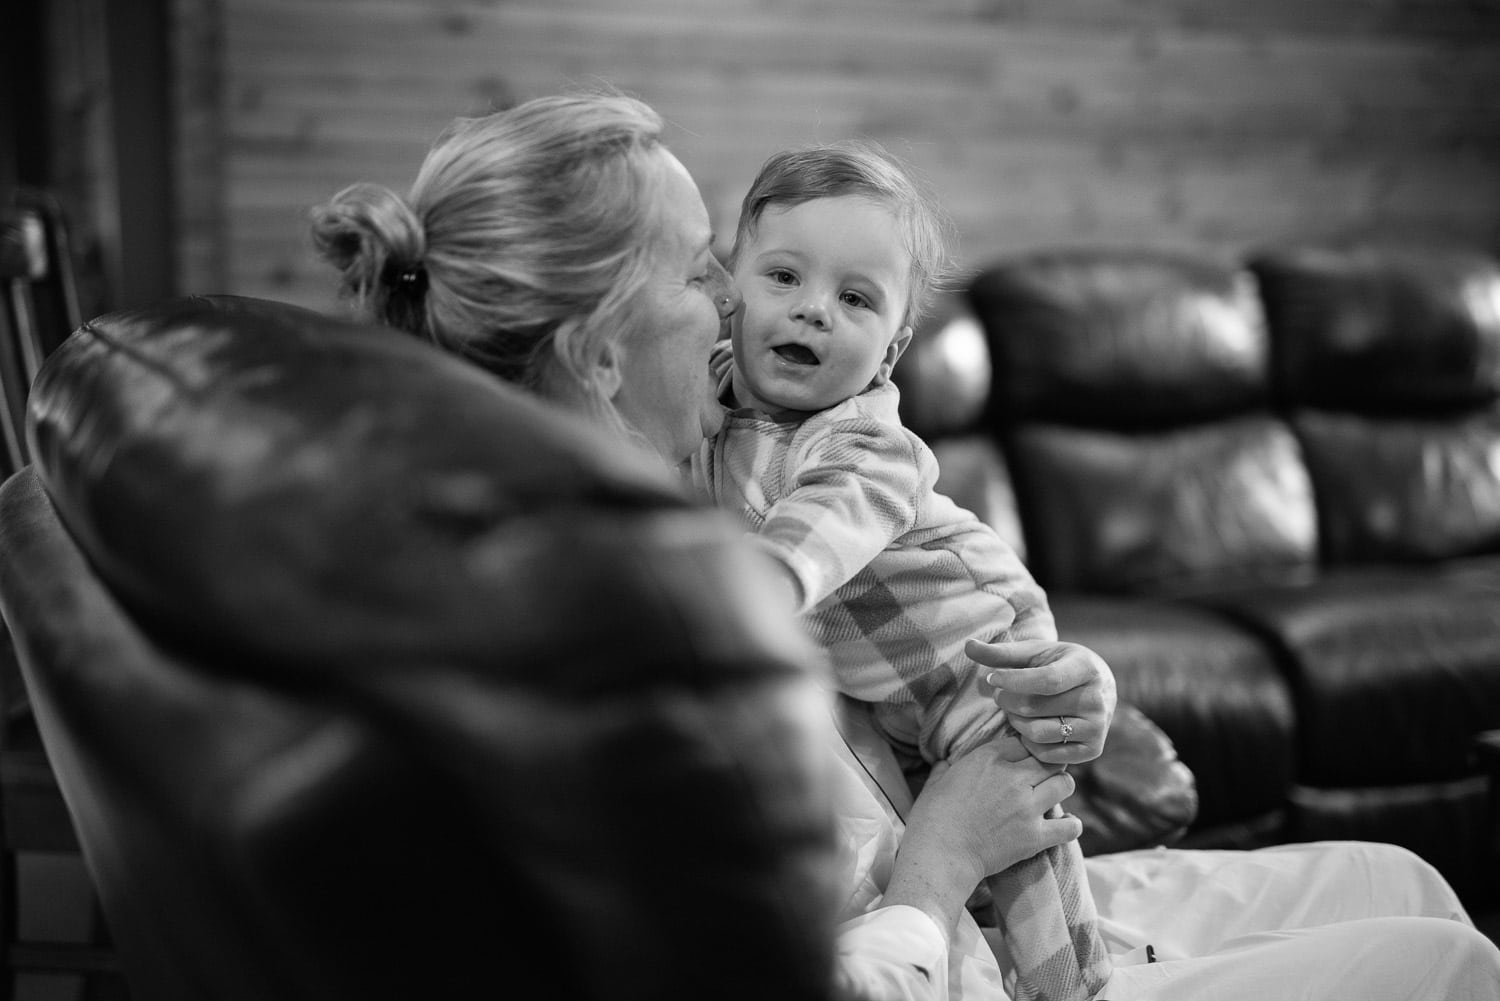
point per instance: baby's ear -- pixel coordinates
(893, 354)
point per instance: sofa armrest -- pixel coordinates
(1138, 793)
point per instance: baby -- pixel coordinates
(836, 251)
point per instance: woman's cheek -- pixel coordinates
(711, 415)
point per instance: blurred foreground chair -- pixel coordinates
(366, 676)
(39, 307)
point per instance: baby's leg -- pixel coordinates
(1045, 915)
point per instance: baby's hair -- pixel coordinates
(858, 167)
(523, 243)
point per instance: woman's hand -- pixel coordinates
(1059, 696)
(975, 817)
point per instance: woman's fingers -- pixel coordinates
(1086, 744)
(1052, 789)
(1061, 739)
(1065, 754)
(1054, 729)
(1061, 830)
(1041, 667)
(1059, 696)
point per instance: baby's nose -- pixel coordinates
(811, 311)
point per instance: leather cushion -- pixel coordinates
(1404, 489)
(1138, 793)
(1116, 512)
(1383, 328)
(1450, 824)
(1121, 338)
(1394, 669)
(1211, 686)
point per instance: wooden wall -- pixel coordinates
(1212, 123)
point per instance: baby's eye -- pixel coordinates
(781, 276)
(854, 299)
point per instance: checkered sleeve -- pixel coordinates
(848, 494)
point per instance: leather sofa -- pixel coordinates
(365, 676)
(1267, 491)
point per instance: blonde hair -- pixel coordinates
(523, 244)
(858, 167)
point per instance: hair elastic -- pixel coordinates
(408, 279)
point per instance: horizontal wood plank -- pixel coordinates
(1186, 122)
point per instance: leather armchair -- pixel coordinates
(365, 676)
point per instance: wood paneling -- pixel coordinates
(1213, 123)
(198, 156)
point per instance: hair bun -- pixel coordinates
(372, 236)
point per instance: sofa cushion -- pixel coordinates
(1210, 685)
(1450, 824)
(1383, 329)
(1121, 338)
(1107, 511)
(1138, 794)
(1404, 488)
(1394, 669)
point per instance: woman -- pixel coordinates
(560, 246)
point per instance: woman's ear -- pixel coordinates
(609, 371)
(893, 353)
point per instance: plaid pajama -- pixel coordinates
(893, 579)
(894, 576)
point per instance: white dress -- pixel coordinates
(1328, 921)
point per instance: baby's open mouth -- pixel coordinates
(796, 354)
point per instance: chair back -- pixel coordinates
(366, 676)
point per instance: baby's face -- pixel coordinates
(825, 285)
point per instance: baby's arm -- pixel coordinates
(946, 711)
(849, 494)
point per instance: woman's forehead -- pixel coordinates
(684, 223)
